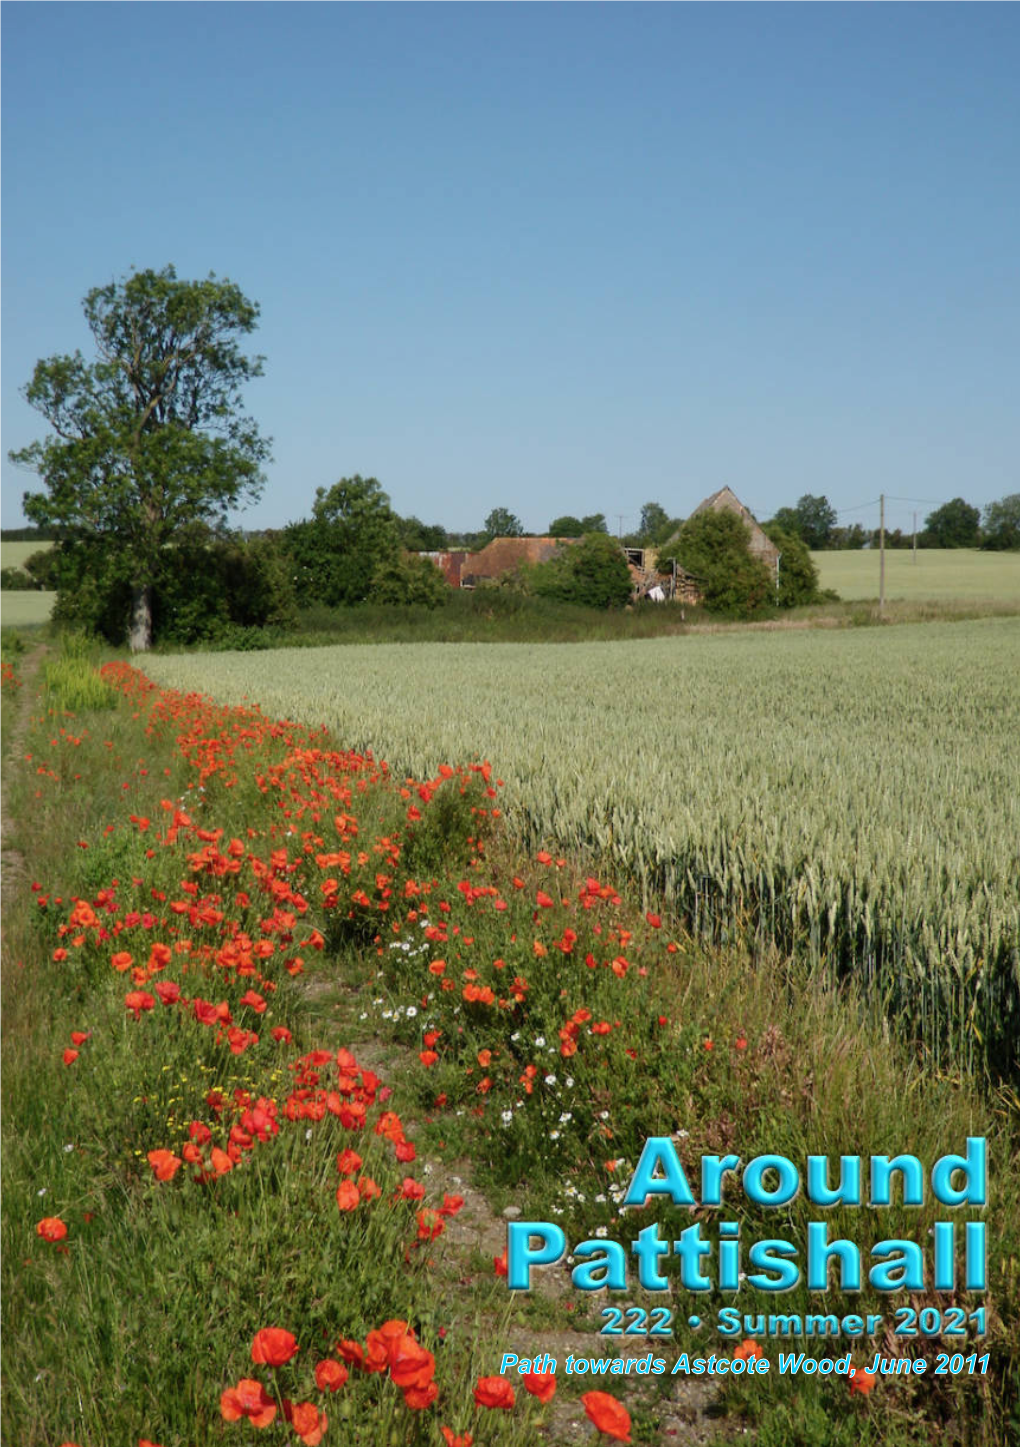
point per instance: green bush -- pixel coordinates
(16, 580)
(409, 581)
(592, 572)
(715, 548)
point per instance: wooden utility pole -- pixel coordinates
(881, 553)
(915, 537)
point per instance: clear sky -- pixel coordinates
(558, 258)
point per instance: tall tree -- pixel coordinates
(502, 523)
(1002, 524)
(812, 520)
(953, 525)
(150, 439)
(338, 551)
(655, 523)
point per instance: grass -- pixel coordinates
(940, 573)
(148, 1314)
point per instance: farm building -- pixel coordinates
(451, 565)
(506, 555)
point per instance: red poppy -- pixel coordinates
(348, 1161)
(248, 1399)
(411, 1365)
(608, 1415)
(500, 1265)
(165, 1164)
(347, 1196)
(51, 1228)
(541, 1385)
(273, 1346)
(352, 1352)
(138, 1000)
(456, 1439)
(494, 1392)
(748, 1351)
(330, 1375)
(861, 1381)
(418, 1398)
(308, 1422)
(70, 1056)
(78, 1037)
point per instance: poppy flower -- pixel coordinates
(70, 1056)
(411, 1365)
(541, 1385)
(348, 1161)
(78, 1037)
(308, 1422)
(494, 1392)
(654, 920)
(138, 1000)
(748, 1351)
(861, 1381)
(330, 1375)
(419, 1398)
(273, 1346)
(456, 1439)
(248, 1399)
(165, 1164)
(608, 1415)
(51, 1228)
(500, 1265)
(352, 1352)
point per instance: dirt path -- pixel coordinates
(684, 1415)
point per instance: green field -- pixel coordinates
(854, 794)
(15, 555)
(17, 609)
(20, 610)
(941, 573)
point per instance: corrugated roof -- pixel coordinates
(505, 555)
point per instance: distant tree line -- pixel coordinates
(956, 524)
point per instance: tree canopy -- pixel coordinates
(502, 523)
(593, 572)
(954, 525)
(1002, 524)
(338, 552)
(798, 576)
(812, 520)
(572, 527)
(150, 442)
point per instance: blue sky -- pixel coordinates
(558, 258)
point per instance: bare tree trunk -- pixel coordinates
(140, 638)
